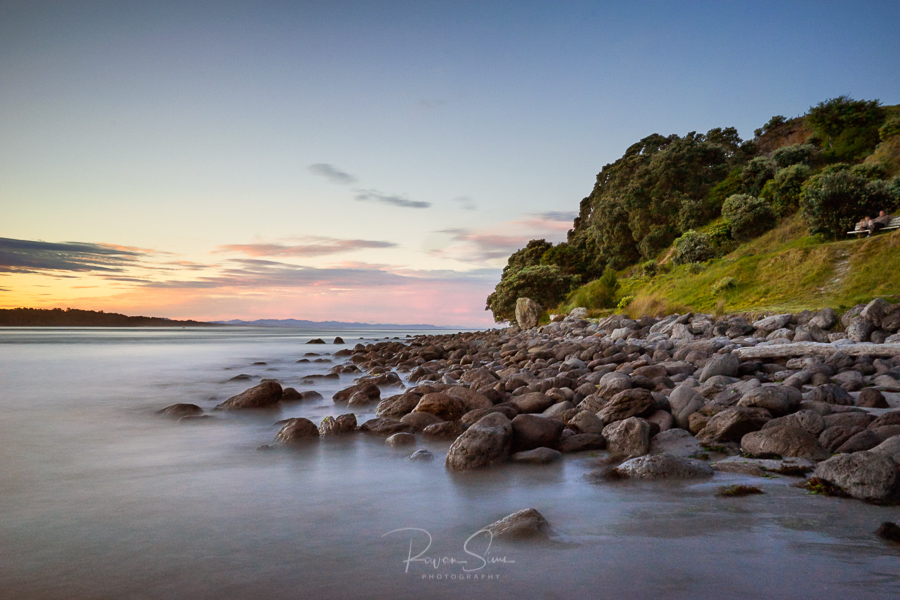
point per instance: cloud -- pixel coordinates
(466, 203)
(26, 256)
(482, 246)
(332, 173)
(315, 246)
(555, 216)
(548, 221)
(375, 196)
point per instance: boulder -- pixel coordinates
(266, 394)
(830, 393)
(774, 322)
(809, 420)
(385, 426)
(180, 410)
(863, 440)
(447, 430)
(528, 313)
(421, 455)
(340, 425)
(628, 438)
(296, 431)
(364, 392)
(473, 416)
(832, 437)
(537, 456)
(613, 383)
(721, 364)
(764, 467)
(663, 466)
(527, 524)
(485, 443)
(860, 329)
(400, 440)
(871, 398)
(889, 447)
(676, 442)
(869, 476)
(730, 425)
(397, 406)
(532, 431)
(888, 418)
(684, 401)
(470, 398)
(784, 441)
(586, 422)
(777, 399)
(582, 442)
(420, 420)
(850, 419)
(532, 402)
(875, 311)
(442, 405)
(637, 402)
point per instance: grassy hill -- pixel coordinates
(783, 270)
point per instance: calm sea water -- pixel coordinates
(100, 498)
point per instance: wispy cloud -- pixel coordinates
(466, 203)
(548, 221)
(26, 256)
(481, 246)
(315, 246)
(332, 173)
(375, 196)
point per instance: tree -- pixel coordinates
(836, 199)
(749, 216)
(846, 128)
(545, 284)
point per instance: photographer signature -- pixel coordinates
(476, 561)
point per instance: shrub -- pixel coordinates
(692, 247)
(792, 155)
(624, 302)
(783, 191)
(756, 173)
(605, 292)
(649, 268)
(833, 202)
(545, 284)
(890, 129)
(749, 216)
(693, 268)
(847, 128)
(720, 238)
(724, 284)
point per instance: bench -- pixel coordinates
(894, 224)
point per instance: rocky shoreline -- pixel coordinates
(812, 395)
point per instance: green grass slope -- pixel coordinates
(783, 270)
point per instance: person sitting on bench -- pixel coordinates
(882, 220)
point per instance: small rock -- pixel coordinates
(521, 525)
(180, 410)
(296, 431)
(663, 466)
(537, 456)
(422, 455)
(266, 394)
(628, 438)
(399, 440)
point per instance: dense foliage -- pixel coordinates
(667, 189)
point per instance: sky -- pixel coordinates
(364, 161)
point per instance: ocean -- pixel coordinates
(102, 498)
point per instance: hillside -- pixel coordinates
(712, 222)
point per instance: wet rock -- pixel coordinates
(401, 440)
(765, 467)
(532, 431)
(676, 442)
(537, 456)
(266, 394)
(180, 410)
(420, 420)
(338, 340)
(421, 455)
(363, 392)
(663, 466)
(528, 313)
(296, 431)
(527, 524)
(447, 430)
(442, 405)
(399, 405)
(628, 438)
(784, 441)
(385, 426)
(868, 476)
(484, 444)
(582, 442)
(473, 416)
(316, 341)
(340, 425)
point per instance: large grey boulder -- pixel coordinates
(860, 329)
(663, 466)
(684, 401)
(441, 405)
(613, 383)
(785, 440)
(628, 438)
(528, 313)
(586, 422)
(889, 447)
(809, 420)
(266, 394)
(774, 322)
(875, 311)
(869, 476)
(485, 443)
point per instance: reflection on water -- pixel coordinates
(102, 499)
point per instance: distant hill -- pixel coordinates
(304, 324)
(70, 317)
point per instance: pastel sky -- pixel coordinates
(364, 161)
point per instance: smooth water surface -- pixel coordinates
(101, 498)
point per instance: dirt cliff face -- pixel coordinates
(794, 131)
